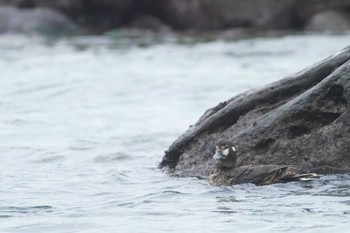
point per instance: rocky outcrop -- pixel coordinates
(302, 120)
(39, 20)
(261, 14)
(329, 21)
(94, 15)
(100, 15)
(223, 14)
(149, 22)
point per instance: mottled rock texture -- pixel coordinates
(302, 120)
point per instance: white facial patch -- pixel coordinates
(225, 152)
(233, 148)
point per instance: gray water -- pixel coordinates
(84, 123)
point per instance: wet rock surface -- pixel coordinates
(302, 120)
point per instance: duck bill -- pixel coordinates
(218, 155)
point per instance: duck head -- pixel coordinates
(225, 155)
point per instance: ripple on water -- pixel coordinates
(112, 157)
(50, 159)
(35, 89)
(149, 199)
(13, 211)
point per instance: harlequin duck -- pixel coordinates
(226, 172)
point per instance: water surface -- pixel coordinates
(85, 122)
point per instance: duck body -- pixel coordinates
(259, 175)
(226, 172)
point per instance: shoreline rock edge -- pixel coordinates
(301, 120)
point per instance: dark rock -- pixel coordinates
(302, 120)
(39, 20)
(102, 15)
(225, 14)
(95, 15)
(329, 21)
(150, 23)
(221, 14)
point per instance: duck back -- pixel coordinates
(259, 175)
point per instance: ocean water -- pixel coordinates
(84, 123)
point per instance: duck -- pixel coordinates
(227, 173)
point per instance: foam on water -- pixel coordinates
(85, 122)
